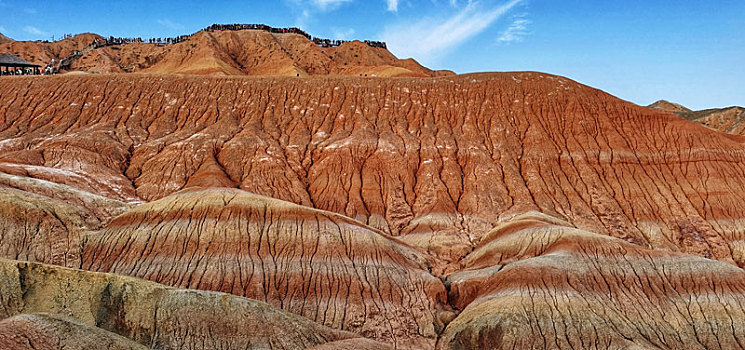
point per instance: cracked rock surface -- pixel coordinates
(570, 288)
(320, 265)
(152, 315)
(501, 210)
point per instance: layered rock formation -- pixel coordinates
(537, 283)
(100, 307)
(558, 216)
(42, 53)
(44, 221)
(438, 162)
(729, 120)
(323, 266)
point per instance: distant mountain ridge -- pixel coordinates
(730, 120)
(669, 107)
(229, 52)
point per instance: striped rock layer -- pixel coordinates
(538, 284)
(557, 215)
(316, 264)
(728, 120)
(44, 221)
(79, 307)
(438, 161)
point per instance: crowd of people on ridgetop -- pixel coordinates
(111, 41)
(264, 27)
(56, 66)
(20, 71)
(318, 41)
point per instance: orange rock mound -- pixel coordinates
(4, 39)
(320, 265)
(51, 332)
(244, 52)
(42, 53)
(536, 283)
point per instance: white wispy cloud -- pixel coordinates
(305, 10)
(392, 5)
(515, 32)
(2, 29)
(428, 39)
(327, 5)
(343, 34)
(170, 24)
(34, 31)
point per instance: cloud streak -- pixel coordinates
(343, 34)
(305, 10)
(515, 32)
(429, 39)
(328, 5)
(392, 5)
(34, 31)
(170, 24)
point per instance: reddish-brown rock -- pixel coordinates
(4, 39)
(437, 161)
(42, 53)
(671, 107)
(562, 216)
(728, 120)
(44, 221)
(320, 265)
(51, 332)
(353, 344)
(536, 283)
(244, 52)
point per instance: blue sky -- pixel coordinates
(690, 52)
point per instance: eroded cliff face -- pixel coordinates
(44, 221)
(537, 283)
(728, 120)
(320, 265)
(490, 210)
(438, 162)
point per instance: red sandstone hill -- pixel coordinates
(4, 39)
(42, 53)
(504, 210)
(244, 52)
